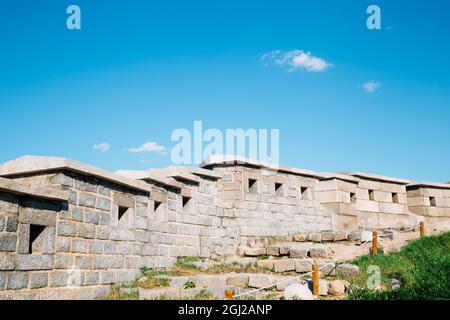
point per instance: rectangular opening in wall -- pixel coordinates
(395, 197)
(122, 212)
(125, 217)
(278, 186)
(35, 232)
(185, 201)
(371, 195)
(433, 201)
(303, 192)
(352, 197)
(252, 185)
(156, 205)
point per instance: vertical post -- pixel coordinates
(229, 294)
(375, 243)
(315, 270)
(422, 229)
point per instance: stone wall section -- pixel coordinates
(382, 205)
(430, 202)
(259, 203)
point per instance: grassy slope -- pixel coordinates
(422, 266)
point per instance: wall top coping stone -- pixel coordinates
(376, 177)
(37, 164)
(196, 171)
(21, 188)
(170, 174)
(150, 177)
(216, 160)
(342, 177)
(423, 184)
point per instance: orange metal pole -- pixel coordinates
(229, 294)
(315, 279)
(375, 243)
(422, 229)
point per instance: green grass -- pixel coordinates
(187, 263)
(422, 266)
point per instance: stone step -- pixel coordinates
(293, 250)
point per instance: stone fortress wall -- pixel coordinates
(70, 230)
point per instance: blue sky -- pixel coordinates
(140, 69)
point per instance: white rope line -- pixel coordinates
(310, 272)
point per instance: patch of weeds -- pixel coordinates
(235, 267)
(189, 285)
(263, 257)
(117, 294)
(153, 282)
(203, 295)
(149, 272)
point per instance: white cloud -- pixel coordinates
(371, 86)
(149, 147)
(102, 147)
(295, 60)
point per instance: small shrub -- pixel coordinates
(189, 285)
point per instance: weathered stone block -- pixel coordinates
(2, 281)
(67, 229)
(300, 237)
(17, 280)
(63, 261)
(283, 265)
(322, 252)
(347, 270)
(84, 262)
(86, 230)
(38, 280)
(91, 217)
(8, 243)
(2, 223)
(314, 237)
(103, 233)
(265, 264)
(11, 224)
(296, 252)
(105, 218)
(58, 279)
(73, 197)
(273, 250)
(77, 214)
(336, 288)
(34, 262)
(86, 200)
(254, 252)
(340, 236)
(95, 247)
(304, 265)
(62, 245)
(7, 262)
(79, 246)
(104, 204)
(104, 191)
(91, 278)
(37, 216)
(354, 236)
(238, 281)
(327, 236)
(107, 277)
(260, 281)
(62, 179)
